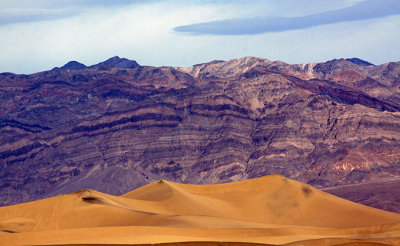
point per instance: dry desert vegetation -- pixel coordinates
(270, 210)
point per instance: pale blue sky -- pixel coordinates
(37, 35)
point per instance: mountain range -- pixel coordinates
(116, 125)
(115, 61)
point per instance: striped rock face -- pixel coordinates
(114, 129)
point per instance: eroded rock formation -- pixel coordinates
(116, 126)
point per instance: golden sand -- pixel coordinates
(269, 210)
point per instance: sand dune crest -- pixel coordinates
(268, 210)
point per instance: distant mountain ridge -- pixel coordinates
(359, 62)
(113, 129)
(73, 65)
(118, 62)
(115, 61)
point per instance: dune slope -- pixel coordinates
(267, 210)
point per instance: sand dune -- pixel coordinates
(269, 210)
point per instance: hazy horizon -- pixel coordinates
(37, 35)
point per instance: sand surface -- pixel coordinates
(271, 210)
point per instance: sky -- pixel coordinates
(37, 35)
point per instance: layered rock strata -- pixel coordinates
(113, 129)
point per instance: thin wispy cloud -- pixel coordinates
(35, 10)
(364, 10)
(16, 15)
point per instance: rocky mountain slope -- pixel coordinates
(113, 128)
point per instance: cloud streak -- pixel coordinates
(35, 10)
(368, 9)
(11, 16)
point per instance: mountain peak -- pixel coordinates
(74, 65)
(116, 58)
(223, 69)
(360, 62)
(118, 62)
